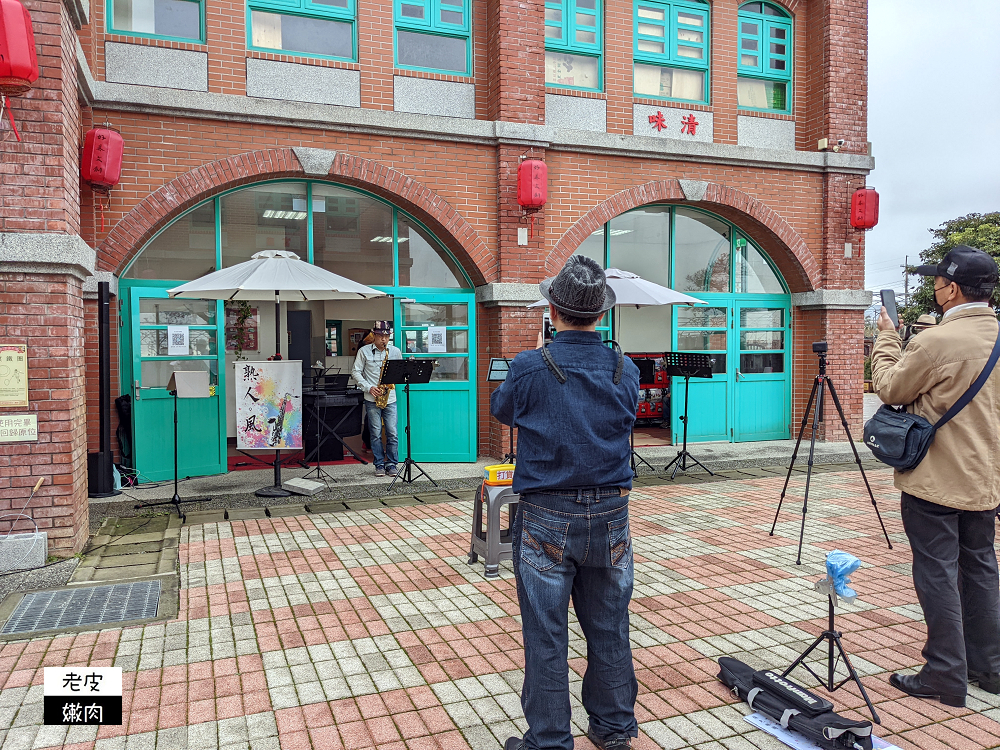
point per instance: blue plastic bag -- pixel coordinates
(839, 566)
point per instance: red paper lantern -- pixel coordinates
(864, 208)
(101, 166)
(532, 184)
(18, 64)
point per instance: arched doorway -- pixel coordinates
(745, 326)
(343, 229)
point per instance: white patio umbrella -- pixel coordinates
(281, 276)
(276, 275)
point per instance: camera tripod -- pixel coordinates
(835, 653)
(820, 384)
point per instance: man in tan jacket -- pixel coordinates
(950, 499)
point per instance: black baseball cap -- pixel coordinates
(967, 266)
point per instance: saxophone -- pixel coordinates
(382, 399)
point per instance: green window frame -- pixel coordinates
(764, 70)
(336, 11)
(449, 20)
(671, 50)
(115, 16)
(574, 42)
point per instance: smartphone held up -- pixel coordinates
(889, 303)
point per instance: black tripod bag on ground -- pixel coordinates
(794, 707)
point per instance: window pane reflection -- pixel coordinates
(451, 369)
(176, 312)
(755, 364)
(352, 235)
(640, 243)
(270, 217)
(762, 340)
(422, 262)
(184, 251)
(156, 372)
(456, 342)
(761, 317)
(420, 314)
(708, 317)
(593, 247)
(754, 274)
(153, 343)
(698, 341)
(702, 247)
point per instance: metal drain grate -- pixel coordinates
(45, 610)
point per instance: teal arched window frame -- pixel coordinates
(737, 238)
(216, 201)
(674, 24)
(765, 52)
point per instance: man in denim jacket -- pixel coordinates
(573, 403)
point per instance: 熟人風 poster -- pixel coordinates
(269, 405)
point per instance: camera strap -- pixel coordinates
(554, 368)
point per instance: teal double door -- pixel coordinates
(444, 410)
(749, 395)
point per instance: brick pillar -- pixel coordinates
(516, 44)
(843, 330)
(43, 262)
(45, 312)
(504, 331)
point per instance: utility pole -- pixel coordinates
(906, 280)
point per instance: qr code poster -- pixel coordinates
(269, 405)
(436, 339)
(178, 341)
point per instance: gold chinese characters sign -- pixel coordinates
(18, 428)
(13, 375)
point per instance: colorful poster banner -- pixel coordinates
(269, 405)
(13, 375)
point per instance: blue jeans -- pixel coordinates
(376, 418)
(575, 542)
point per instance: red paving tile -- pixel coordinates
(674, 679)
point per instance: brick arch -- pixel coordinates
(158, 209)
(761, 223)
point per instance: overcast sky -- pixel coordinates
(934, 123)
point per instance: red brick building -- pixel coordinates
(685, 141)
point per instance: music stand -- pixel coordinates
(321, 474)
(183, 384)
(403, 372)
(499, 368)
(687, 365)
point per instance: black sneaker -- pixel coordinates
(911, 685)
(988, 681)
(514, 743)
(611, 742)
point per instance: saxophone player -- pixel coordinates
(380, 400)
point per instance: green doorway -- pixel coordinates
(147, 365)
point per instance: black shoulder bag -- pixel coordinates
(901, 439)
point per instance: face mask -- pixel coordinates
(937, 306)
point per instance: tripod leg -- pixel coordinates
(798, 442)
(857, 460)
(817, 416)
(802, 657)
(854, 676)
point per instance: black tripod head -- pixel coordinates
(820, 348)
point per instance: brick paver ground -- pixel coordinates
(368, 629)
